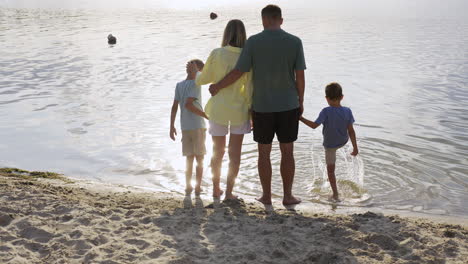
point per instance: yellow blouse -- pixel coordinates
(230, 106)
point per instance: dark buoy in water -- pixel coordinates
(111, 39)
(213, 16)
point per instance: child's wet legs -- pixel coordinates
(332, 180)
(188, 174)
(199, 174)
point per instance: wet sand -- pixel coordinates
(63, 221)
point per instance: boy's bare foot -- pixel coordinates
(291, 200)
(264, 200)
(335, 198)
(217, 193)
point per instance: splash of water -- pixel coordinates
(349, 173)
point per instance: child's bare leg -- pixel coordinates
(188, 174)
(332, 180)
(199, 174)
(219, 144)
(235, 148)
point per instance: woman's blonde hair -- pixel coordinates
(234, 34)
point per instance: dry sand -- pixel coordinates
(51, 221)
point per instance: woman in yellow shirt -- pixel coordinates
(228, 111)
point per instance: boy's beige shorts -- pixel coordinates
(193, 142)
(330, 155)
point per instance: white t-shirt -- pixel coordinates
(184, 90)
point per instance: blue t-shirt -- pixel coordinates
(184, 90)
(335, 121)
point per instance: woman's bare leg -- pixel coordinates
(235, 149)
(219, 145)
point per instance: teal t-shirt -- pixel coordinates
(184, 90)
(273, 56)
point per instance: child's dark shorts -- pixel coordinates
(284, 124)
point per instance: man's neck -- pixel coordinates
(275, 27)
(191, 77)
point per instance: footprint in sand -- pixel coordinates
(36, 234)
(75, 234)
(5, 219)
(141, 244)
(156, 253)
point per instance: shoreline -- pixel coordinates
(305, 207)
(67, 221)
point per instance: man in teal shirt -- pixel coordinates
(276, 59)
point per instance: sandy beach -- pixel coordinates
(66, 221)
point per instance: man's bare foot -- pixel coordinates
(264, 200)
(230, 197)
(188, 190)
(217, 193)
(291, 200)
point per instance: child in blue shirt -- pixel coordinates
(192, 124)
(338, 128)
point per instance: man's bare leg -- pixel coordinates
(264, 171)
(219, 144)
(199, 174)
(332, 180)
(288, 167)
(235, 148)
(188, 174)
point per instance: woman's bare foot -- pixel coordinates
(198, 190)
(291, 200)
(217, 193)
(264, 200)
(230, 197)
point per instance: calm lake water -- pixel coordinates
(71, 103)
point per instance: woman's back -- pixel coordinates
(231, 104)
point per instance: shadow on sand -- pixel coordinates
(236, 232)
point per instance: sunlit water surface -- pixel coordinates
(71, 103)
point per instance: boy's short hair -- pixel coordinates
(333, 91)
(272, 11)
(199, 63)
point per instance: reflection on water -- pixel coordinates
(71, 103)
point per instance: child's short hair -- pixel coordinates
(199, 63)
(333, 91)
(272, 11)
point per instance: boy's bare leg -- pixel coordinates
(264, 171)
(188, 174)
(332, 180)
(219, 144)
(199, 174)
(235, 148)
(287, 169)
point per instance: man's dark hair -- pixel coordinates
(333, 91)
(272, 11)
